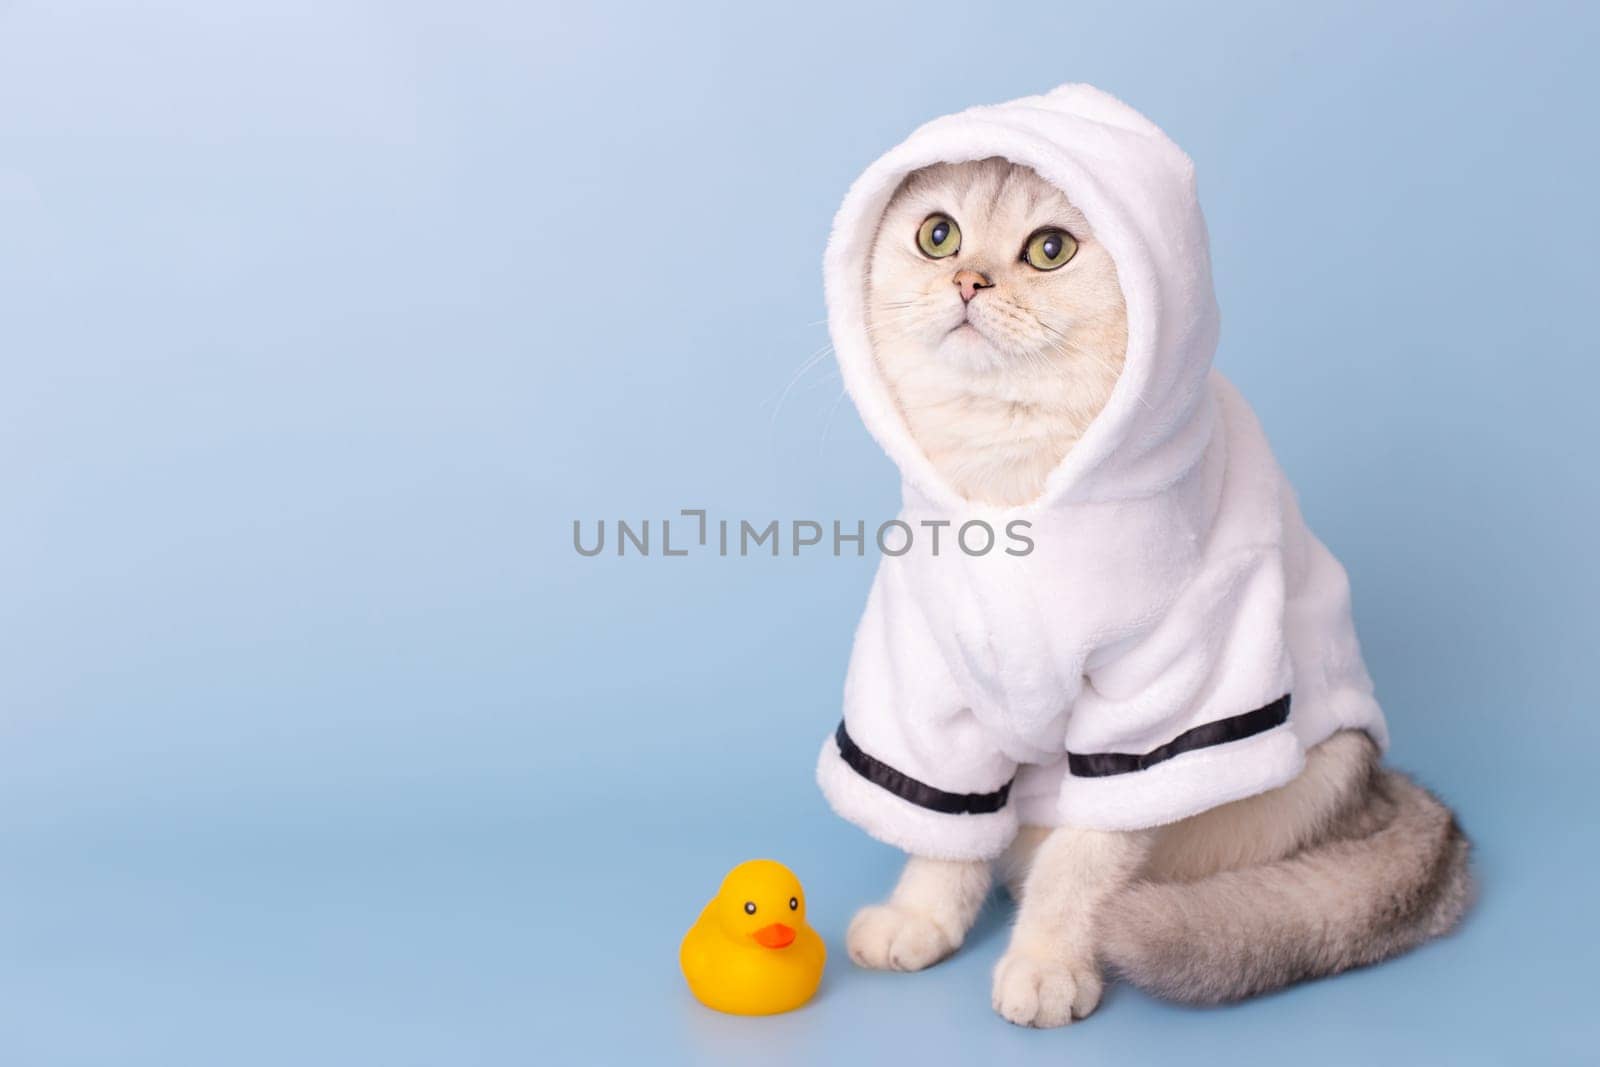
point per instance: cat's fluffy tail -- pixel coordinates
(1341, 904)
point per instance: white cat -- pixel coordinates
(996, 400)
(999, 327)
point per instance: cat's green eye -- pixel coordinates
(939, 236)
(1049, 249)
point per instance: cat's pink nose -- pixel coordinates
(970, 282)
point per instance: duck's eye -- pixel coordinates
(1049, 249)
(749, 907)
(939, 236)
(794, 903)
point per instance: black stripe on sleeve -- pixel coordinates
(908, 788)
(1235, 728)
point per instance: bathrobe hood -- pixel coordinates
(1137, 190)
(1176, 638)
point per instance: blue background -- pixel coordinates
(320, 323)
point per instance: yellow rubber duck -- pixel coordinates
(751, 952)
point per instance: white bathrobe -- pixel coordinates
(1176, 639)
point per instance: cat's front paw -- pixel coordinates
(887, 938)
(1031, 991)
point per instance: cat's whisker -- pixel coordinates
(827, 421)
(907, 312)
(810, 363)
(1067, 347)
(1073, 351)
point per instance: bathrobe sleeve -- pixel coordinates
(909, 763)
(1192, 714)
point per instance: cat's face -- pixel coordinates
(986, 267)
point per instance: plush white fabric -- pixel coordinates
(1172, 585)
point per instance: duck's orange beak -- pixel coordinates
(775, 936)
